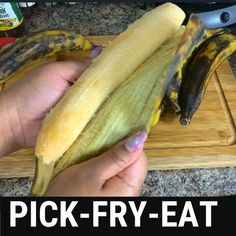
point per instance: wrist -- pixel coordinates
(8, 125)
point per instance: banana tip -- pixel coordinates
(184, 121)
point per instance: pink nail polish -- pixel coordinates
(134, 142)
(96, 51)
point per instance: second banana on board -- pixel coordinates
(200, 69)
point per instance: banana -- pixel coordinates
(37, 46)
(133, 106)
(195, 35)
(199, 70)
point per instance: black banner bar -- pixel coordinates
(60, 216)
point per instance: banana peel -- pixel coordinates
(195, 35)
(38, 46)
(199, 71)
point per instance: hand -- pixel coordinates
(30, 99)
(118, 172)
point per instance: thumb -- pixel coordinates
(119, 157)
(66, 71)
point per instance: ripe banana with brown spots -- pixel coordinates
(199, 70)
(195, 35)
(38, 46)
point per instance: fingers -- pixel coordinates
(118, 172)
(120, 157)
(56, 76)
(129, 181)
(95, 52)
(67, 71)
(50, 82)
(71, 70)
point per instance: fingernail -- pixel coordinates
(96, 51)
(134, 142)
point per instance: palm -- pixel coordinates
(38, 92)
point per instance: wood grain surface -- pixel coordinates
(207, 142)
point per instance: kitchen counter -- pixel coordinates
(100, 19)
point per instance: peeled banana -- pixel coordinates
(38, 46)
(108, 70)
(128, 110)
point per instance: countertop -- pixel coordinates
(100, 19)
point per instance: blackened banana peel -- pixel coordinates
(200, 52)
(199, 70)
(193, 36)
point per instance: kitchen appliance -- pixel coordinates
(219, 18)
(213, 14)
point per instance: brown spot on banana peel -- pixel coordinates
(38, 46)
(199, 71)
(194, 32)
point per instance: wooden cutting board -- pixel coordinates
(209, 141)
